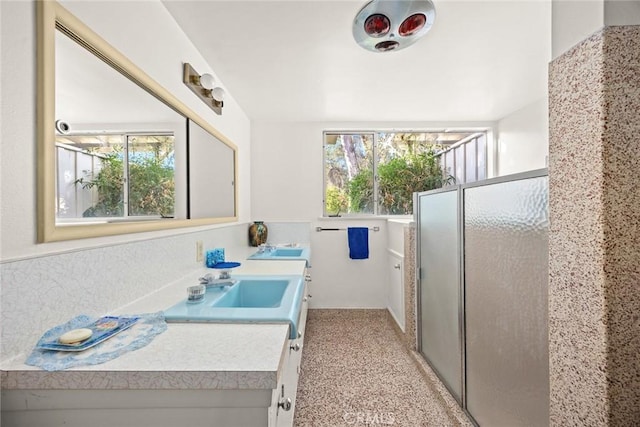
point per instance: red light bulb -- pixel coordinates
(377, 25)
(387, 45)
(412, 25)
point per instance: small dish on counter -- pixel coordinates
(101, 330)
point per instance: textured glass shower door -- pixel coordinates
(506, 275)
(439, 299)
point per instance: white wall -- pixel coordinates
(47, 284)
(575, 20)
(523, 139)
(621, 12)
(148, 35)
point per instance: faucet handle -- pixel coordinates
(206, 279)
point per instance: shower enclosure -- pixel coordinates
(482, 295)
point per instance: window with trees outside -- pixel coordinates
(115, 176)
(376, 173)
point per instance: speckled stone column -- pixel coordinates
(410, 285)
(594, 242)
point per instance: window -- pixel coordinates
(115, 176)
(376, 173)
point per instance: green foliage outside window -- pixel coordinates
(360, 191)
(337, 201)
(109, 183)
(151, 187)
(398, 179)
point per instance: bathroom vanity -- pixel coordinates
(195, 374)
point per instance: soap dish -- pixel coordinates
(226, 265)
(225, 268)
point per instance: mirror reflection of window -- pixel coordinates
(151, 170)
(115, 176)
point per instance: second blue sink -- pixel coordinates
(287, 252)
(283, 254)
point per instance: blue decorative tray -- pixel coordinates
(103, 329)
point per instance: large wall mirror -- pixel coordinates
(117, 153)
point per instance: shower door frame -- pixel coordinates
(419, 280)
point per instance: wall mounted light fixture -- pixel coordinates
(384, 25)
(204, 86)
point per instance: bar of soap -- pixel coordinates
(75, 336)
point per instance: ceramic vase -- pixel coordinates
(257, 233)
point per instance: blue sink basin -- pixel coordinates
(253, 299)
(282, 254)
(287, 252)
(254, 293)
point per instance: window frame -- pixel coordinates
(489, 154)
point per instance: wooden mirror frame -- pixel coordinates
(50, 16)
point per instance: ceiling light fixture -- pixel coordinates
(384, 25)
(204, 86)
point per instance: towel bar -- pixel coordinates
(337, 229)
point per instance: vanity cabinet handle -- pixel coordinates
(285, 404)
(397, 266)
(295, 347)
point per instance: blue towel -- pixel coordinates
(358, 242)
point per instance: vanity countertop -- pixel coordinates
(186, 356)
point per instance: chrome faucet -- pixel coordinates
(211, 282)
(266, 248)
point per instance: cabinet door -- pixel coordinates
(395, 295)
(286, 390)
(290, 371)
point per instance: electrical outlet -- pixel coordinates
(199, 251)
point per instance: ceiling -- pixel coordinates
(297, 60)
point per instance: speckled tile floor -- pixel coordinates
(356, 372)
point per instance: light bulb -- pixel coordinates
(218, 94)
(207, 81)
